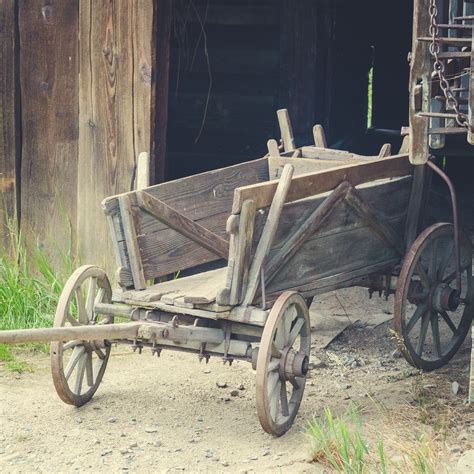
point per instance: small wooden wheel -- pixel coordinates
(78, 366)
(427, 297)
(282, 363)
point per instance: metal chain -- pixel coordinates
(451, 100)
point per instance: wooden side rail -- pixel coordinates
(182, 224)
(319, 182)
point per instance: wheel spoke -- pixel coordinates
(72, 320)
(90, 300)
(420, 311)
(284, 400)
(289, 317)
(425, 281)
(81, 368)
(99, 353)
(75, 356)
(275, 401)
(449, 322)
(295, 384)
(295, 331)
(273, 365)
(81, 309)
(435, 332)
(425, 320)
(272, 381)
(445, 261)
(432, 271)
(89, 372)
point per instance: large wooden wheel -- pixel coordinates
(282, 363)
(430, 317)
(78, 366)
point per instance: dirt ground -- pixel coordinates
(168, 415)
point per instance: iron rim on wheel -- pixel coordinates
(78, 366)
(431, 318)
(282, 363)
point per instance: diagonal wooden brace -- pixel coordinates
(309, 226)
(182, 224)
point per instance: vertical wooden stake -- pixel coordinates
(286, 130)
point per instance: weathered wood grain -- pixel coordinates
(268, 234)
(113, 91)
(48, 34)
(420, 84)
(200, 289)
(9, 117)
(205, 198)
(286, 130)
(182, 224)
(133, 251)
(321, 181)
(301, 165)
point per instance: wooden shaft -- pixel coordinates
(70, 333)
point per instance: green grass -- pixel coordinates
(342, 445)
(29, 291)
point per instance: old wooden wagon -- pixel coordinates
(276, 231)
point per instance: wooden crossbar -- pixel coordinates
(319, 182)
(182, 224)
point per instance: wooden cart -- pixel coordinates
(277, 231)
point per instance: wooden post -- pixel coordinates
(9, 117)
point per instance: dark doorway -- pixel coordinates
(233, 63)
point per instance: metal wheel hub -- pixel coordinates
(293, 364)
(444, 298)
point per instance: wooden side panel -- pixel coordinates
(114, 97)
(205, 198)
(345, 243)
(49, 98)
(9, 149)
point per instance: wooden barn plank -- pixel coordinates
(49, 99)
(114, 90)
(9, 147)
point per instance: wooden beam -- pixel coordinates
(319, 136)
(10, 148)
(182, 224)
(268, 233)
(325, 180)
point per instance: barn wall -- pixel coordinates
(75, 109)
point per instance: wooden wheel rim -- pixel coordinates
(269, 379)
(414, 355)
(83, 352)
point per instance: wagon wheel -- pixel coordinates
(282, 363)
(430, 318)
(78, 366)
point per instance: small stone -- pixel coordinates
(151, 429)
(266, 452)
(253, 458)
(455, 388)
(224, 463)
(124, 451)
(234, 393)
(96, 441)
(208, 453)
(107, 451)
(455, 449)
(199, 418)
(112, 420)
(133, 445)
(96, 407)
(207, 371)
(241, 387)
(221, 384)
